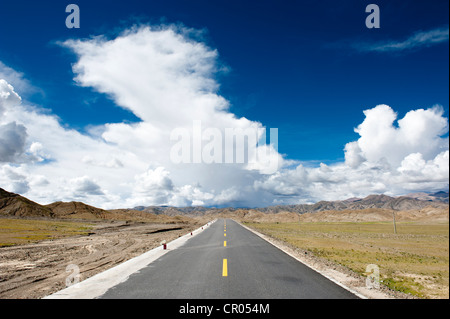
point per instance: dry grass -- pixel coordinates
(415, 260)
(25, 231)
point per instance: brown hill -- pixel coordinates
(76, 210)
(427, 214)
(142, 216)
(15, 205)
(395, 203)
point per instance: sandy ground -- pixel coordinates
(37, 270)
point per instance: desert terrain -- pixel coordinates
(412, 257)
(38, 269)
(38, 243)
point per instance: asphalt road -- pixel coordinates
(226, 261)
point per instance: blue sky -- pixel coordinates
(290, 62)
(308, 68)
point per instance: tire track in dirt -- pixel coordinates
(36, 270)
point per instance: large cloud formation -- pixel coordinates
(167, 79)
(12, 135)
(387, 158)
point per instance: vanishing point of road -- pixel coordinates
(227, 261)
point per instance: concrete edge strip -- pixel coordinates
(97, 285)
(303, 262)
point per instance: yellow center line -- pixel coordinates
(224, 243)
(225, 235)
(225, 268)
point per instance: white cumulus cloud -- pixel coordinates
(168, 80)
(392, 157)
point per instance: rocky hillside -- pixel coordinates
(15, 205)
(18, 206)
(76, 210)
(402, 203)
(433, 205)
(439, 196)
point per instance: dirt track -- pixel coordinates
(37, 270)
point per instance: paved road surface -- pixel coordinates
(227, 261)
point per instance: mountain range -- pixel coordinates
(18, 206)
(401, 203)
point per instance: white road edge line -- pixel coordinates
(303, 262)
(97, 285)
